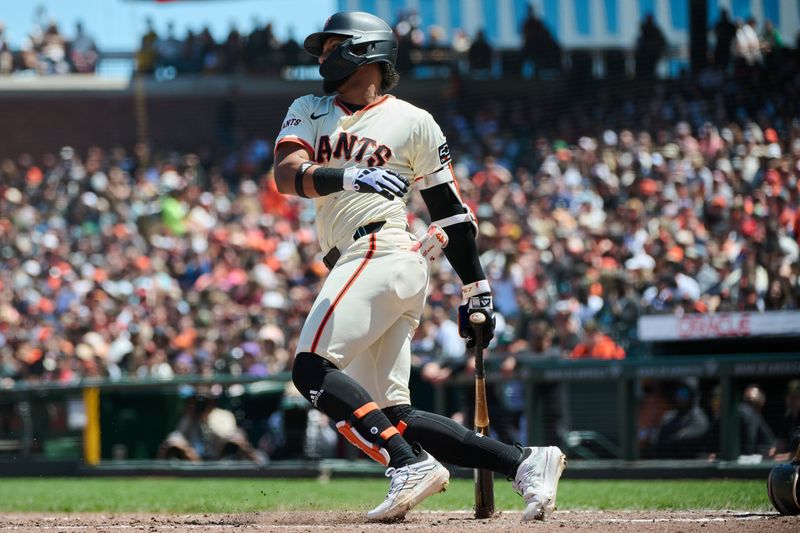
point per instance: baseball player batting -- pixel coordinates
(356, 152)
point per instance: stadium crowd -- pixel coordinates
(45, 50)
(160, 263)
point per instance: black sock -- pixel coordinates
(485, 452)
(450, 442)
(526, 452)
(374, 423)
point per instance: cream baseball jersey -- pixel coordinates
(388, 133)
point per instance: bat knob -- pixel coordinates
(477, 318)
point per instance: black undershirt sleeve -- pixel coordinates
(461, 250)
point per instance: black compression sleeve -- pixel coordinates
(461, 249)
(462, 252)
(328, 180)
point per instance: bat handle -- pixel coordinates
(476, 320)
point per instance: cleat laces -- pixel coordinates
(397, 480)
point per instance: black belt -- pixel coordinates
(334, 254)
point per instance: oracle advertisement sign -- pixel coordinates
(718, 326)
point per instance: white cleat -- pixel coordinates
(409, 486)
(537, 481)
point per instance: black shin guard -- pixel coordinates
(327, 388)
(449, 441)
(340, 397)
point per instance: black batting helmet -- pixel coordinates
(368, 39)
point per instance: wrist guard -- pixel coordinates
(328, 180)
(298, 178)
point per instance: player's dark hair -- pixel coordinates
(390, 77)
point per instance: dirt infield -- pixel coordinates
(617, 521)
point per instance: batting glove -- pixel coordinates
(481, 303)
(385, 182)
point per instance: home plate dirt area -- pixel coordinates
(301, 521)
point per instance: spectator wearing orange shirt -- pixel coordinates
(596, 345)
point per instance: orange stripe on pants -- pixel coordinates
(342, 292)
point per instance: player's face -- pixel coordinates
(329, 46)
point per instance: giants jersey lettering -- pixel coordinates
(388, 133)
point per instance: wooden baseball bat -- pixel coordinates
(484, 479)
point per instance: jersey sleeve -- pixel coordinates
(297, 127)
(431, 151)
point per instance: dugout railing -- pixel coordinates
(86, 421)
(40, 421)
(609, 393)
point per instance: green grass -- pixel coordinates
(170, 495)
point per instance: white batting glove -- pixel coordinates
(385, 182)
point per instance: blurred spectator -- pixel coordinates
(725, 31)
(650, 48)
(755, 435)
(683, 429)
(441, 340)
(6, 56)
(146, 55)
(264, 43)
(207, 433)
(596, 345)
(771, 38)
(747, 44)
(291, 53)
(653, 405)
(772, 47)
(480, 55)
(296, 430)
(83, 52)
(168, 50)
(29, 52)
(538, 44)
(566, 328)
(53, 51)
(232, 51)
